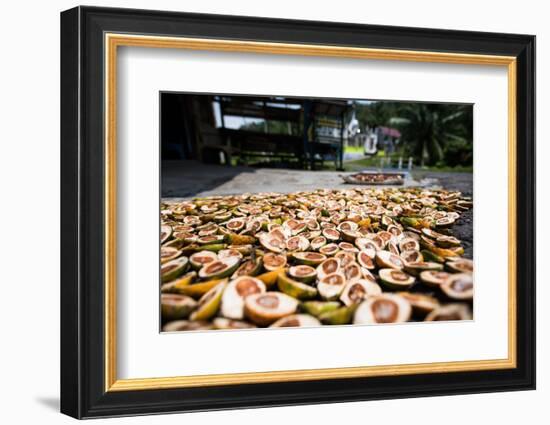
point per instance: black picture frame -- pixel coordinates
(83, 392)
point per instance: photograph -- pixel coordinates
(262, 211)
(284, 211)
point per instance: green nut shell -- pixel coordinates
(172, 269)
(209, 303)
(294, 288)
(316, 308)
(340, 316)
(176, 306)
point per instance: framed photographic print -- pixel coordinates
(261, 212)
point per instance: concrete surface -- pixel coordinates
(185, 179)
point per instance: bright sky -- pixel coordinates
(237, 122)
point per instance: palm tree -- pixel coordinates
(427, 128)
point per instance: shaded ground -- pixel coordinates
(186, 179)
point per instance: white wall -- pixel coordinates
(29, 225)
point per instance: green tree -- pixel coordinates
(436, 134)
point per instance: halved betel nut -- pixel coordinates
(199, 259)
(264, 309)
(311, 234)
(174, 285)
(296, 320)
(197, 290)
(450, 312)
(409, 244)
(395, 279)
(434, 278)
(273, 261)
(352, 272)
(236, 224)
(312, 225)
(332, 235)
(447, 241)
(329, 266)
(208, 229)
(165, 233)
(347, 226)
(365, 243)
(295, 288)
(365, 258)
(186, 325)
(430, 233)
(444, 222)
(223, 323)
(318, 242)
(367, 274)
(329, 249)
(302, 273)
(192, 220)
(316, 308)
(462, 265)
(378, 242)
(297, 243)
(385, 236)
(232, 301)
(309, 258)
(280, 233)
(349, 235)
(383, 308)
(387, 221)
(459, 286)
(345, 258)
(348, 247)
(295, 226)
(176, 306)
(410, 232)
(396, 231)
(172, 269)
(422, 304)
(412, 256)
(233, 253)
(386, 259)
(209, 303)
(219, 268)
(358, 290)
(418, 267)
(272, 242)
(251, 267)
(331, 286)
(392, 247)
(175, 243)
(169, 254)
(211, 240)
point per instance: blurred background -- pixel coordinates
(306, 132)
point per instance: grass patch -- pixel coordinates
(353, 149)
(374, 162)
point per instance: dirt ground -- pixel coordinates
(187, 179)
